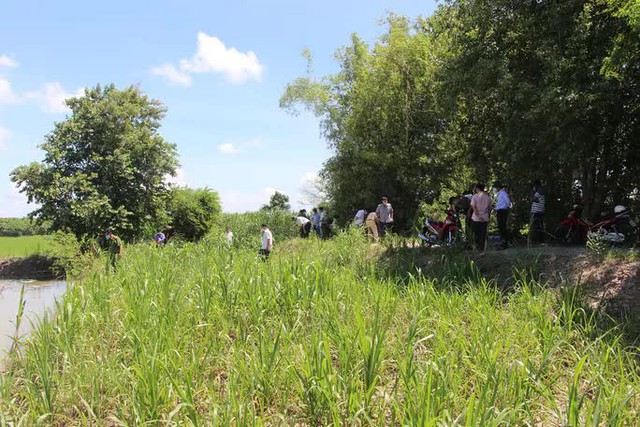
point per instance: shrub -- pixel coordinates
(193, 211)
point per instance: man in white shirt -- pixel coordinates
(358, 220)
(267, 242)
(228, 235)
(503, 204)
(304, 226)
(384, 212)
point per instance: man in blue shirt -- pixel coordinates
(503, 205)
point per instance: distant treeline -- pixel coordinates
(15, 227)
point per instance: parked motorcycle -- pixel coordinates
(446, 232)
(618, 228)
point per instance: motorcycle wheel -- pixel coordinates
(563, 234)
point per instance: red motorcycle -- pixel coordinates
(617, 228)
(442, 232)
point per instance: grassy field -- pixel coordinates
(323, 333)
(24, 246)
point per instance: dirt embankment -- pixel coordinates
(34, 268)
(612, 285)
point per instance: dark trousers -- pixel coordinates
(536, 228)
(305, 230)
(480, 234)
(502, 216)
(383, 227)
(265, 253)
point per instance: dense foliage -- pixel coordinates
(504, 89)
(15, 227)
(324, 333)
(105, 165)
(193, 212)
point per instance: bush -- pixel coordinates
(193, 212)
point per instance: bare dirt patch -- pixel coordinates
(34, 267)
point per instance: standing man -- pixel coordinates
(536, 224)
(228, 235)
(358, 220)
(115, 249)
(304, 225)
(267, 242)
(322, 220)
(481, 207)
(503, 204)
(315, 221)
(384, 211)
(372, 226)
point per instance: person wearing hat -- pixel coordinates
(115, 249)
(503, 204)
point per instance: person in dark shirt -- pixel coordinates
(115, 249)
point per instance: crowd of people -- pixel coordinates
(476, 207)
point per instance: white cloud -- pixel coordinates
(249, 144)
(7, 96)
(52, 97)
(269, 191)
(172, 74)
(212, 56)
(180, 180)
(312, 191)
(228, 148)
(7, 62)
(4, 137)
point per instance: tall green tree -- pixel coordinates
(379, 115)
(193, 212)
(533, 98)
(105, 165)
(515, 90)
(278, 201)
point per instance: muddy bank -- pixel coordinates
(35, 267)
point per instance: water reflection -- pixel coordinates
(39, 297)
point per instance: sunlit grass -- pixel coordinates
(320, 334)
(24, 246)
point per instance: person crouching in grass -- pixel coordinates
(304, 225)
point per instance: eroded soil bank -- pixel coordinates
(35, 267)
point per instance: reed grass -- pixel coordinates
(323, 333)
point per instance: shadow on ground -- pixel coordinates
(607, 287)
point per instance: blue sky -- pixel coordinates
(220, 67)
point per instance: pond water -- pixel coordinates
(39, 297)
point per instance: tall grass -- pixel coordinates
(320, 334)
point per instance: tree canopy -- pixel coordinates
(193, 211)
(278, 201)
(503, 89)
(105, 165)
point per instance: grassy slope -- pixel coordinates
(24, 246)
(319, 334)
